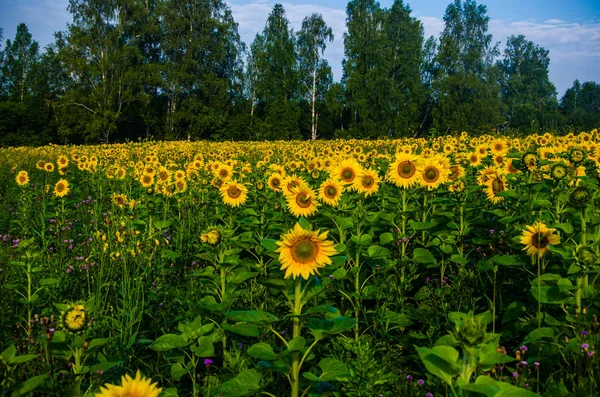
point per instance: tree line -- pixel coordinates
(178, 69)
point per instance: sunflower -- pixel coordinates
(347, 170)
(403, 172)
(536, 239)
(302, 252)
(485, 175)
(274, 182)
(367, 182)
(120, 200)
(302, 202)
(509, 167)
(457, 186)
(498, 146)
(75, 319)
(61, 189)
(147, 180)
(40, 164)
(330, 192)
(212, 236)
(49, 167)
(224, 172)
(62, 162)
(292, 182)
(456, 172)
(233, 193)
(433, 174)
(495, 184)
(474, 159)
(22, 178)
(136, 387)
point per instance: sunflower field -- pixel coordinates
(451, 266)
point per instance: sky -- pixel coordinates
(570, 30)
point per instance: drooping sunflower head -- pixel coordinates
(61, 189)
(75, 318)
(302, 252)
(404, 171)
(22, 178)
(331, 192)
(456, 172)
(131, 387)
(233, 193)
(537, 239)
(302, 202)
(458, 186)
(530, 160)
(509, 167)
(291, 183)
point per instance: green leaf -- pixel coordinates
(262, 351)
(163, 224)
(178, 371)
(30, 384)
(565, 227)
(98, 342)
(9, 352)
(49, 281)
(246, 383)
(269, 244)
(205, 347)
(509, 260)
(22, 359)
(386, 238)
(305, 224)
(242, 329)
(458, 259)
(539, 333)
(400, 319)
(421, 255)
(513, 311)
(339, 274)
(320, 328)
(419, 226)
(168, 342)
(332, 370)
(252, 316)
(376, 251)
(440, 361)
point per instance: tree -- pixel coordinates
(315, 73)
(581, 105)
(277, 88)
(201, 63)
(20, 64)
(467, 89)
(365, 76)
(404, 56)
(102, 57)
(526, 88)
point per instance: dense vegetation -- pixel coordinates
(453, 266)
(177, 69)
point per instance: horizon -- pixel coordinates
(570, 32)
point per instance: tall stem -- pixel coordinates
(297, 328)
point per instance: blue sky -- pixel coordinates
(569, 29)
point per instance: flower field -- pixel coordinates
(460, 265)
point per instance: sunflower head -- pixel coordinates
(577, 155)
(137, 386)
(22, 178)
(586, 256)
(331, 192)
(212, 236)
(404, 171)
(75, 319)
(580, 196)
(559, 171)
(530, 159)
(233, 193)
(61, 189)
(302, 252)
(302, 201)
(537, 239)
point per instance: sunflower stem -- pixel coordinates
(295, 379)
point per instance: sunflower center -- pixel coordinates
(368, 181)
(539, 240)
(497, 186)
(233, 192)
(223, 173)
(303, 201)
(406, 169)
(473, 159)
(498, 147)
(431, 174)
(304, 251)
(348, 174)
(330, 192)
(60, 187)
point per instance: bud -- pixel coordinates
(86, 344)
(580, 196)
